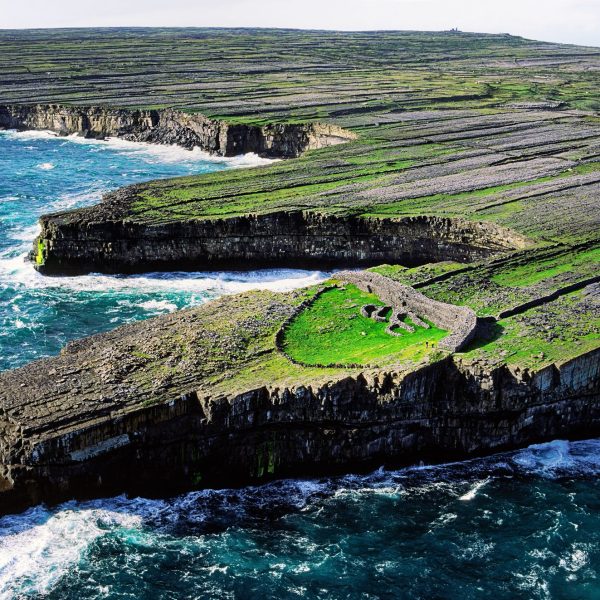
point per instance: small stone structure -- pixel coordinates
(417, 320)
(461, 321)
(377, 313)
(367, 310)
(396, 322)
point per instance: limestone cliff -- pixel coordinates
(170, 126)
(164, 405)
(111, 243)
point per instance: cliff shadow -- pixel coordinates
(488, 331)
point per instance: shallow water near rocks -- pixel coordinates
(518, 525)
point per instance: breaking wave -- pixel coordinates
(38, 314)
(151, 153)
(412, 529)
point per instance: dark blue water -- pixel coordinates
(522, 525)
(41, 173)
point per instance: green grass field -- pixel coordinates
(554, 332)
(535, 272)
(332, 331)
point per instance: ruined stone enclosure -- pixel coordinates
(397, 318)
(364, 319)
(461, 321)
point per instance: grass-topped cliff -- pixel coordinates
(467, 147)
(464, 165)
(205, 397)
(481, 127)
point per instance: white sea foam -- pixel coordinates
(29, 135)
(159, 153)
(158, 306)
(16, 270)
(546, 459)
(470, 495)
(575, 559)
(38, 547)
(19, 324)
(152, 153)
(81, 199)
(26, 234)
(561, 458)
(47, 166)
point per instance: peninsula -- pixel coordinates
(461, 172)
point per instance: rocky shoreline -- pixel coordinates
(448, 170)
(139, 410)
(168, 126)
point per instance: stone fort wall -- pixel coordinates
(461, 321)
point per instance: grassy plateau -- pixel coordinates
(487, 128)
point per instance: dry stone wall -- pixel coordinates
(460, 320)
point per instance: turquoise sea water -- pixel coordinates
(514, 526)
(41, 173)
(519, 525)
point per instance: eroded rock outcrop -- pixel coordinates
(168, 126)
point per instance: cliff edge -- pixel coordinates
(203, 397)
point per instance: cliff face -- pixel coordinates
(169, 126)
(194, 438)
(67, 245)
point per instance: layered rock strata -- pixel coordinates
(126, 411)
(170, 126)
(80, 242)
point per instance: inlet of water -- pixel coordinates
(42, 173)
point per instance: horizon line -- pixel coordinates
(290, 29)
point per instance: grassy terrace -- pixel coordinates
(553, 332)
(481, 127)
(267, 75)
(493, 288)
(332, 331)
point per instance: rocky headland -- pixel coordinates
(203, 398)
(116, 244)
(477, 182)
